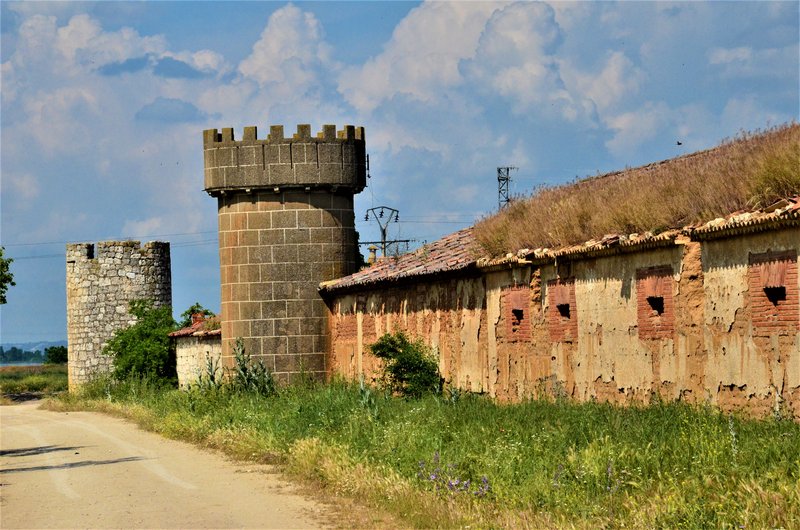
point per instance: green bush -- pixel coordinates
(144, 349)
(409, 367)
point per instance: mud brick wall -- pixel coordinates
(752, 344)
(516, 301)
(562, 313)
(286, 223)
(655, 308)
(713, 334)
(101, 281)
(773, 290)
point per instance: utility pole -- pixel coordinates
(503, 179)
(383, 215)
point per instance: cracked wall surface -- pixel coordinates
(686, 321)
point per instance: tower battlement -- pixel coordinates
(330, 160)
(117, 250)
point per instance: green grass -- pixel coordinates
(44, 379)
(547, 464)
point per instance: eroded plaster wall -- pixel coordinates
(675, 321)
(748, 364)
(449, 315)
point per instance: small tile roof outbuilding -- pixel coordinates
(199, 328)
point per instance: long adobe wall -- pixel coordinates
(706, 320)
(101, 280)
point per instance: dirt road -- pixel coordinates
(87, 470)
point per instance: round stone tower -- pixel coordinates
(101, 281)
(286, 223)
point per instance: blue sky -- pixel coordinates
(103, 105)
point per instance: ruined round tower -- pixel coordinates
(101, 282)
(286, 223)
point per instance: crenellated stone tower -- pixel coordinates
(101, 281)
(286, 223)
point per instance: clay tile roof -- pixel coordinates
(618, 242)
(784, 212)
(199, 329)
(454, 252)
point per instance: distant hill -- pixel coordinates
(750, 171)
(32, 346)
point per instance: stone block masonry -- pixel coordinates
(101, 281)
(286, 224)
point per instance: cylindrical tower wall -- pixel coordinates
(286, 224)
(101, 281)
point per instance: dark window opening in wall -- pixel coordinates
(90, 252)
(656, 303)
(517, 316)
(563, 310)
(775, 295)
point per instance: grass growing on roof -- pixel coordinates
(536, 464)
(751, 171)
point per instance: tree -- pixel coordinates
(186, 316)
(6, 277)
(144, 349)
(55, 355)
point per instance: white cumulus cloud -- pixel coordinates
(422, 58)
(289, 52)
(517, 59)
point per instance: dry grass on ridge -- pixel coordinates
(751, 171)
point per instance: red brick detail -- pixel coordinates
(516, 313)
(774, 297)
(655, 309)
(562, 310)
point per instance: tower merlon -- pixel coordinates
(276, 135)
(103, 249)
(330, 160)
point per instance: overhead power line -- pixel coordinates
(108, 238)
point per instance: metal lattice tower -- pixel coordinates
(503, 179)
(383, 215)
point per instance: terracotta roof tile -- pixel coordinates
(786, 211)
(199, 329)
(453, 252)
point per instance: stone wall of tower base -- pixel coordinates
(712, 321)
(275, 249)
(101, 281)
